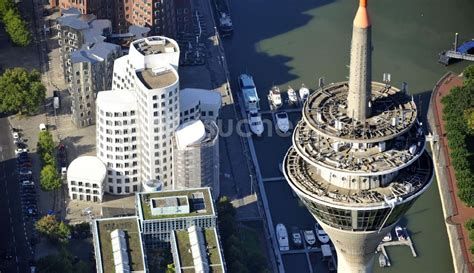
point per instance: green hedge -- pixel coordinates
(456, 104)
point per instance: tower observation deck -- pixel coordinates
(358, 160)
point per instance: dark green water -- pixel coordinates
(286, 42)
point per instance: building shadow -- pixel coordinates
(252, 26)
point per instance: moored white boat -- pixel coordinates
(304, 93)
(296, 236)
(274, 97)
(255, 122)
(292, 97)
(401, 233)
(283, 123)
(321, 234)
(387, 238)
(282, 237)
(309, 237)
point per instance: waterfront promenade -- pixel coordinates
(456, 213)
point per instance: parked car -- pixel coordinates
(22, 155)
(24, 171)
(21, 145)
(8, 254)
(27, 183)
(22, 160)
(16, 136)
(31, 210)
(19, 151)
(42, 127)
(25, 164)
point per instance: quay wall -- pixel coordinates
(446, 192)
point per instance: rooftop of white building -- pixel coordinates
(157, 77)
(155, 45)
(199, 201)
(195, 132)
(190, 133)
(87, 168)
(116, 100)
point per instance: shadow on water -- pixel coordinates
(242, 49)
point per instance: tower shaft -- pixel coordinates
(360, 66)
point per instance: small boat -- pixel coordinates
(304, 93)
(282, 237)
(321, 234)
(255, 122)
(296, 236)
(401, 233)
(292, 97)
(283, 124)
(309, 237)
(225, 24)
(382, 260)
(274, 97)
(387, 237)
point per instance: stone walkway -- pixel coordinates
(460, 212)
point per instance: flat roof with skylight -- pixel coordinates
(198, 251)
(120, 245)
(175, 204)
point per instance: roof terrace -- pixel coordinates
(408, 182)
(392, 113)
(155, 45)
(158, 77)
(200, 203)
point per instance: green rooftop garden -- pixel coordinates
(130, 228)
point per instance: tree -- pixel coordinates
(45, 144)
(170, 268)
(48, 159)
(5, 6)
(62, 262)
(21, 91)
(16, 28)
(49, 178)
(54, 230)
(468, 74)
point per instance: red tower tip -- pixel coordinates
(363, 3)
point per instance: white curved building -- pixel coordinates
(86, 179)
(117, 140)
(196, 156)
(150, 72)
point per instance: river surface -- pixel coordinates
(289, 42)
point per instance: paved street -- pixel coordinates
(13, 231)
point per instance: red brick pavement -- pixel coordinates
(461, 212)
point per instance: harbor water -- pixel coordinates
(289, 42)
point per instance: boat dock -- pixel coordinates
(408, 242)
(459, 53)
